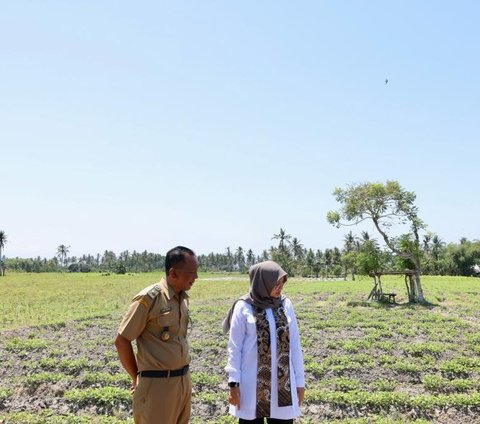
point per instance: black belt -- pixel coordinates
(164, 373)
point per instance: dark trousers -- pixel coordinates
(269, 421)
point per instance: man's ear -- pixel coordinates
(172, 272)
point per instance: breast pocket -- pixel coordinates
(165, 326)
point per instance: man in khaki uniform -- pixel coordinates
(157, 320)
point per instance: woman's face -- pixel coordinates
(277, 288)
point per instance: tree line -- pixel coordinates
(385, 205)
(358, 255)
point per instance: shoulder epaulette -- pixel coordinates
(153, 292)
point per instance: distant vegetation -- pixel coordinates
(358, 255)
(386, 205)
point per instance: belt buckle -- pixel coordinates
(168, 374)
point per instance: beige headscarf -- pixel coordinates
(263, 277)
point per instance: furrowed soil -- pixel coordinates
(364, 362)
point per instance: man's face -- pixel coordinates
(184, 274)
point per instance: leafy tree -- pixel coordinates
(370, 258)
(3, 240)
(385, 205)
(264, 256)
(62, 252)
(108, 261)
(462, 258)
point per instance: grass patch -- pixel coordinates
(204, 380)
(37, 379)
(109, 397)
(104, 379)
(46, 416)
(25, 345)
(5, 394)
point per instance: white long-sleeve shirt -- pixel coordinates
(242, 361)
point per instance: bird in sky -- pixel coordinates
(386, 81)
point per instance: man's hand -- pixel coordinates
(127, 358)
(133, 386)
(301, 395)
(234, 396)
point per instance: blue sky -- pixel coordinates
(212, 124)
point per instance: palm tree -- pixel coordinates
(437, 245)
(250, 258)
(240, 258)
(3, 240)
(283, 239)
(62, 252)
(297, 249)
(427, 238)
(349, 242)
(365, 236)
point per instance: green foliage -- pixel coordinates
(46, 416)
(351, 346)
(36, 379)
(422, 348)
(344, 384)
(225, 419)
(211, 398)
(103, 397)
(437, 383)
(349, 352)
(5, 394)
(386, 400)
(384, 385)
(25, 345)
(370, 258)
(205, 380)
(103, 378)
(460, 366)
(54, 298)
(69, 366)
(406, 366)
(384, 205)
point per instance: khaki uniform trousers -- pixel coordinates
(162, 400)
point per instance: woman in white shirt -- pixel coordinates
(265, 361)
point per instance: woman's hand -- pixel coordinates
(301, 395)
(234, 397)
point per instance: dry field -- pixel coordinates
(365, 363)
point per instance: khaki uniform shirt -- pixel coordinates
(153, 311)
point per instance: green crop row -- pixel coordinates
(400, 400)
(104, 396)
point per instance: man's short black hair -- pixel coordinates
(176, 256)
